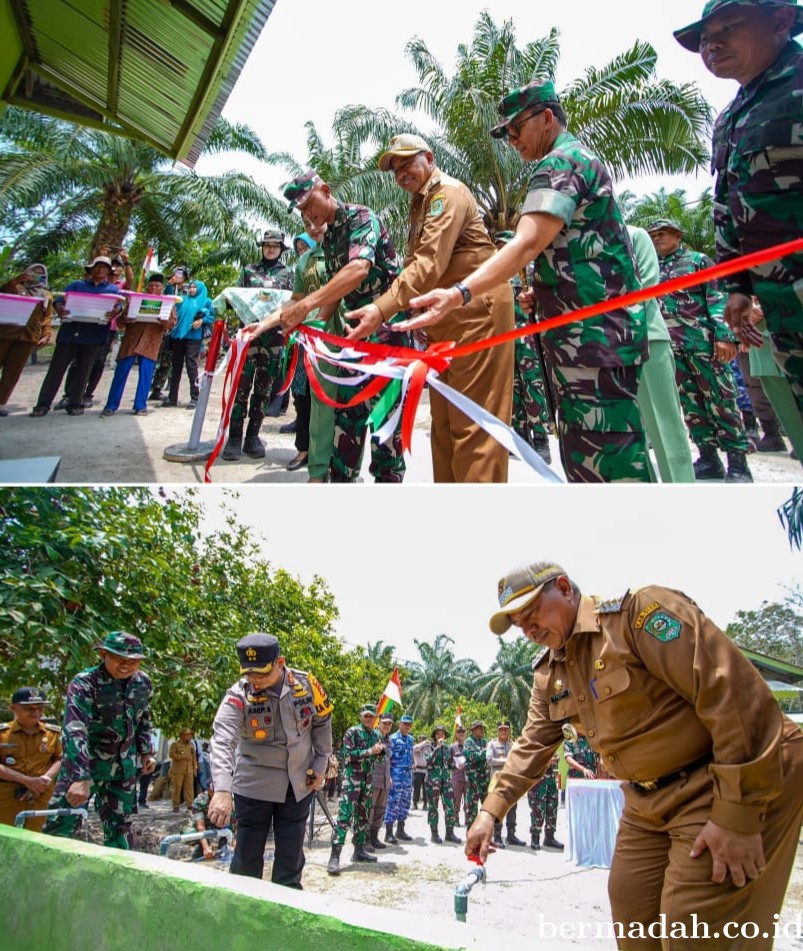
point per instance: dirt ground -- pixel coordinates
(130, 450)
(421, 876)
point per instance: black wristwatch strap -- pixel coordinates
(464, 291)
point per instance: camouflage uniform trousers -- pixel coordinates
(114, 801)
(708, 396)
(530, 409)
(476, 791)
(439, 788)
(164, 363)
(787, 350)
(261, 371)
(398, 806)
(354, 810)
(601, 434)
(543, 800)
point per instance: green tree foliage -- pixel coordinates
(695, 216)
(791, 516)
(775, 629)
(76, 563)
(508, 684)
(434, 684)
(60, 182)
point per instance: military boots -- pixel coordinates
(535, 841)
(434, 836)
(333, 867)
(738, 470)
(497, 839)
(512, 839)
(541, 446)
(389, 836)
(234, 444)
(771, 441)
(253, 445)
(450, 836)
(374, 840)
(709, 465)
(362, 855)
(550, 842)
(401, 835)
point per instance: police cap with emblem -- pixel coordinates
(29, 696)
(123, 645)
(533, 94)
(519, 588)
(257, 653)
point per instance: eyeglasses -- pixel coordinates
(513, 129)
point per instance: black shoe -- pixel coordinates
(301, 460)
(451, 837)
(62, 403)
(143, 805)
(333, 866)
(513, 840)
(497, 842)
(288, 427)
(434, 836)
(401, 833)
(169, 402)
(192, 404)
(769, 443)
(75, 410)
(369, 848)
(389, 836)
(738, 470)
(535, 843)
(375, 843)
(87, 402)
(709, 465)
(156, 397)
(360, 855)
(254, 447)
(550, 842)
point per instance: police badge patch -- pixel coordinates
(436, 208)
(663, 626)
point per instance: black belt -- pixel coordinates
(651, 785)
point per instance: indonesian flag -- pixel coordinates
(148, 264)
(458, 719)
(391, 697)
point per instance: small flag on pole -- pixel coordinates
(148, 264)
(458, 719)
(391, 696)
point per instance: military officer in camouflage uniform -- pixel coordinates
(530, 406)
(476, 770)
(439, 785)
(703, 346)
(401, 773)
(30, 757)
(164, 359)
(582, 761)
(263, 362)
(361, 263)
(543, 800)
(106, 724)
(271, 741)
(363, 745)
(572, 227)
(757, 158)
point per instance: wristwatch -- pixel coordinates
(465, 293)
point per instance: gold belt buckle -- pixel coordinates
(648, 784)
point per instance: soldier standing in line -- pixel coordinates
(263, 362)
(183, 769)
(703, 346)
(362, 747)
(30, 757)
(106, 723)
(476, 770)
(401, 772)
(572, 227)
(530, 405)
(361, 263)
(496, 753)
(271, 741)
(381, 783)
(757, 157)
(543, 800)
(439, 786)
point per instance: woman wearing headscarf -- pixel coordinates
(17, 343)
(191, 315)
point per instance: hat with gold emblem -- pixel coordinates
(32, 696)
(257, 653)
(403, 145)
(519, 588)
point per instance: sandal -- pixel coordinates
(39, 411)
(108, 412)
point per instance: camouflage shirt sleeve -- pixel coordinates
(78, 714)
(143, 735)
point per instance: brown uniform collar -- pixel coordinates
(16, 727)
(433, 180)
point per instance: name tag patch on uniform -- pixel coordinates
(663, 626)
(645, 614)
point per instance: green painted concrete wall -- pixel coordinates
(64, 895)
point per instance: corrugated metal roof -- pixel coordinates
(158, 70)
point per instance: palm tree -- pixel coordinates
(64, 179)
(381, 654)
(434, 684)
(791, 516)
(635, 122)
(694, 216)
(509, 682)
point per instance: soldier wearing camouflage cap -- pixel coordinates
(30, 757)
(710, 769)
(106, 725)
(447, 240)
(572, 227)
(361, 263)
(757, 158)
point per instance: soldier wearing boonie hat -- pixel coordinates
(363, 747)
(655, 687)
(271, 740)
(439, 786)
(757, 161)
(106, 726)
(30, 756)
(476, 769)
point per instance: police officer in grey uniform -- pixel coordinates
(271, 741)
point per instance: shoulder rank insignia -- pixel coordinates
(663, 626)
(610, 605)
(540, 657)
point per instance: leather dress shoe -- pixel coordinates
(298, 463)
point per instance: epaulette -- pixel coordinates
(540, 657)
(54, 727)
(4, 726)
(610, 605)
